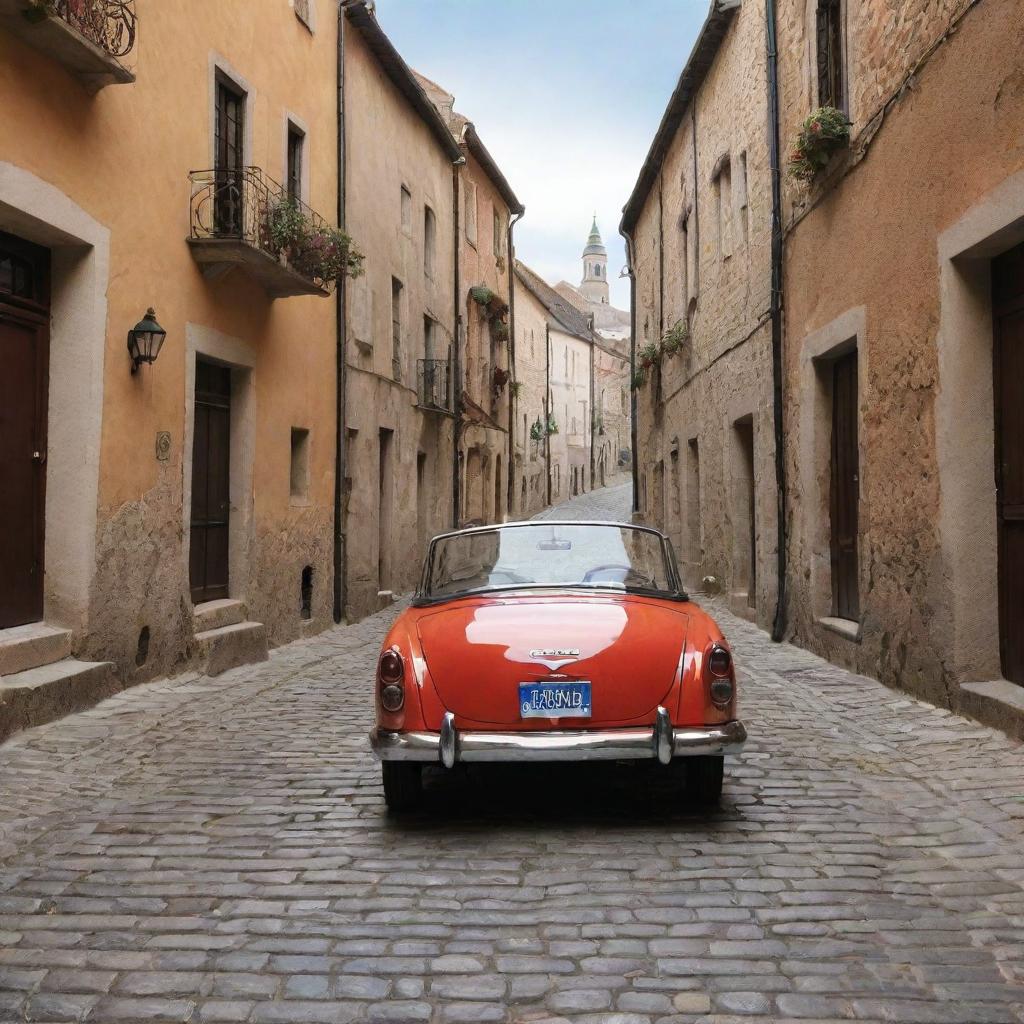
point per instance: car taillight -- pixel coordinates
(391, 670)
(720, 668)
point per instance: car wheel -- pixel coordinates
(403, 785)
(704, 777)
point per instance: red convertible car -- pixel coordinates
(553, 641)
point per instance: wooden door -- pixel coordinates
(211, 487)
(24, 379)
(1008, 373)
(845, 489)
(228, 159)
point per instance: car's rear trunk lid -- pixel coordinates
(478, 653)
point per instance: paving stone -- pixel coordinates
(217, 850)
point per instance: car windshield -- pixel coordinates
(591, 555)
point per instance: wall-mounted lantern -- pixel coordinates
(145, 339)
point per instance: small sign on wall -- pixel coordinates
(163, 445)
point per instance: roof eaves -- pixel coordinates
(483, 157)
(703, 55)
(401, 75)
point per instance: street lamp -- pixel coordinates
(145, 339)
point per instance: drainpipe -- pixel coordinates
(547, 404)
(512, 401)
(340, 346)
(632, 370)
(456, 362)
(779, 625)
(592, 414)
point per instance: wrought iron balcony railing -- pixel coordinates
(432, 390)
(243, 217)
(110, 24)
(89, 37)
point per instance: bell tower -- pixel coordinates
(594, 286)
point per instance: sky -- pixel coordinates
(566, 95)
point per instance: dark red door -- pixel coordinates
(211, 496)
(845, 488)
(24, 377)
(1008, 373)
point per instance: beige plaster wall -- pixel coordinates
(122, 156)
(884, 238)
(389, 145)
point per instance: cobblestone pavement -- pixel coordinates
(217, 850)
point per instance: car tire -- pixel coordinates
(403, 785)
(704, 776)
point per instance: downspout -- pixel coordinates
(592, 415)
(513, 406)
(779, 625)
(547, 404)
(456, 381)
(340, 346)
(632, 370)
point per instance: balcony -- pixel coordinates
(242, 218)
(89, 37)
(432, 390)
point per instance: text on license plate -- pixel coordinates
(554, 700)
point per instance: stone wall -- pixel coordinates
(705, 415)
(531, 405)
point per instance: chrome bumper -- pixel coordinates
(662, 742)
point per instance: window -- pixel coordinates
(470, 218)
(694, 553)
(229, 157)
(684, 255)
(498, 232)
(293, 174)
(830, 32)
(396, 328)
(740, 191)
(723, 202)
(428, 338)
(429, 240)
(300, 464)
(406, 211)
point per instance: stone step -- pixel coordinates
(47, 692)
(32, 645)
(214, 614)
(240, 643)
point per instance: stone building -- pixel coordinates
(179, 513)
(488, 211)
(698, 230)
(903, 285)
(400, 318)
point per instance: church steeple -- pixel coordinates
(595, 267)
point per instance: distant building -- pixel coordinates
(593, 293)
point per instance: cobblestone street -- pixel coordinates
(217, 850)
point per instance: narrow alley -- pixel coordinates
(217, 850)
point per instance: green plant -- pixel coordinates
(481, 294)
(515, 388)
(327, 254)
(537, 430)
(639, 378)
(675, 337)
(649, 355)
(287, 225)
(552, 425)
(824, 132)
(497, 307)
(499, 330)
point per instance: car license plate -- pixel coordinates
(554, 700)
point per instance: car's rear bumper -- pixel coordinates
(662, 742)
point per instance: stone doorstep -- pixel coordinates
(213, 614)
(47, 692)
(997, 703)
(240, 643)
(32, 645)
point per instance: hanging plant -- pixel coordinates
(327, 254)
(287, 225)
(675, 337)
(824, 133)
(515, 388)
(552, 425)
(649, 355)
(481, 294)
(499, 330)
(639, 378)
(537, 430)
